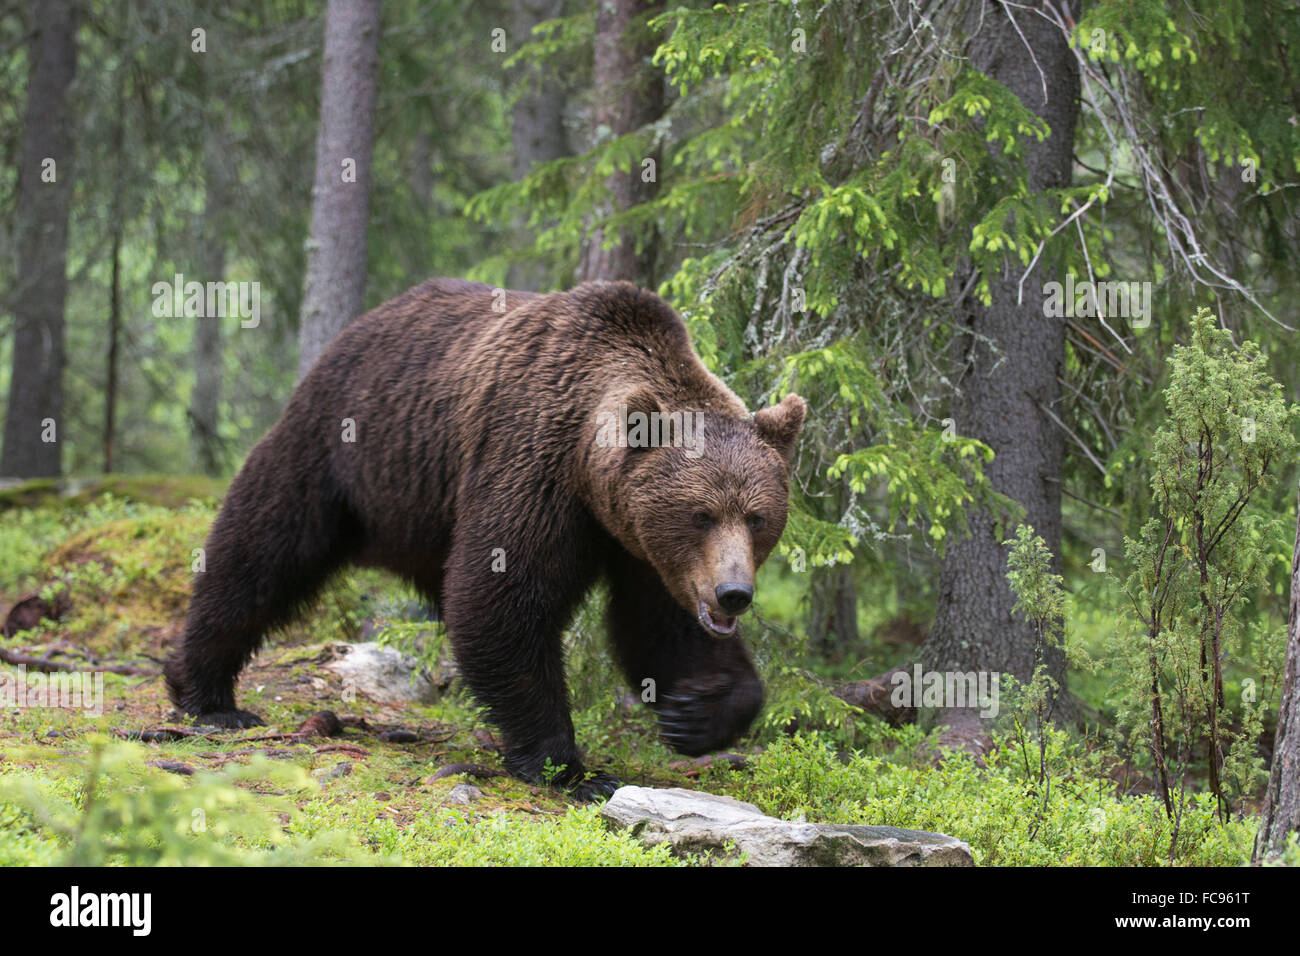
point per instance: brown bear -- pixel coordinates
(502, 452)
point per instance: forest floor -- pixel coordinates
(114, 571)
(109, 568)
(386, 793)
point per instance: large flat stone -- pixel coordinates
(383, 674)
(691, 821)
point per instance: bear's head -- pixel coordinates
(705, 499)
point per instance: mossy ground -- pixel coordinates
(124, 564)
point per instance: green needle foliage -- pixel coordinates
(1040, 599)
(1196, 563)
(788, 238)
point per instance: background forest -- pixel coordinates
(1032, 264)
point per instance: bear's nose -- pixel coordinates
(734, 598)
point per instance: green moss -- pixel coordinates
(25, 537)
(34, 493)
(126, 570)
(72, 494)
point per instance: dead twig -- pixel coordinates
(49, 666)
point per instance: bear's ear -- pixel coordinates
(643, 411)
(641, 399)
(779, 425)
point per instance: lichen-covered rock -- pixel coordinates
(383, 674)
(463, 793)
(691, 821)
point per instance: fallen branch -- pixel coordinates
(49, 666)
(874, 695)
(159, 735)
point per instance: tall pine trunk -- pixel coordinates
(205, 402)
(629, 95)
(1016, 358)
(537, 124)
(114, 340)
(833, 614)
(833, 621)
(336, 249)
(1280, 815)
(34, 423)
(115, 286)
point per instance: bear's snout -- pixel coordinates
(718, 616)
(734, 598)
(725, 589)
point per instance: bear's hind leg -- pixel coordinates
(270, 549)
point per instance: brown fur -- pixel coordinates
(476, 430)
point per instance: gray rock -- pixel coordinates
(333, 773)
(383, 674)
(692, 822)
(464, 793)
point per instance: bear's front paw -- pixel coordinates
(701, 715)
(569, 775)
(229, 719)
(597, 786)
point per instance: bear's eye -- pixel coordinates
(755, 523)
(702, 520)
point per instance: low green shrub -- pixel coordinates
(995, 808)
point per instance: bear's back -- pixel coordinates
(452, 338)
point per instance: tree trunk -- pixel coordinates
(1280, 815)
(31, 433)
(115, 289)
(336, 249)
(629, 95)
(205, 402)
(421, 174)
(1016, 357)
(114, 336)
(834, 618)
(537, 125)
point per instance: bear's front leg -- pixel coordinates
(704, 689)
(509, 591)
(703, 713)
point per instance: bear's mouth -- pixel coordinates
(719, 624)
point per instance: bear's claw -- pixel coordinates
(597, 786)
(698, 717)
(229, 719)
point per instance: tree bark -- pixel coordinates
(115, 287)
(1016, 360)
(336, 250)
(1280, 815)
(629, 95)
(114, 336)
(833, 623)
(537, 125)
(41, 237)
(421, 174)
(205, 401)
